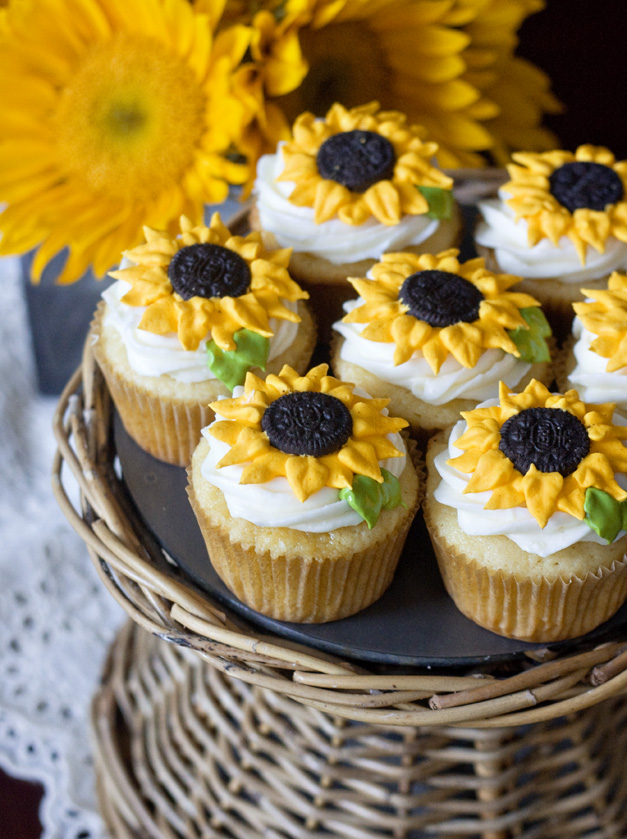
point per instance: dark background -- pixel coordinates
(582, 46)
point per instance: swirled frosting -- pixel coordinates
(294, 227)
(590, 376)
(517, 523)
(500, 231)
(273, 503)
(453, 380)
(150, 354)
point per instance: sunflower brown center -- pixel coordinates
(552, 439)
(206, 270)
(306, 423)
(440, 298)
(356, 159)
(585, 184)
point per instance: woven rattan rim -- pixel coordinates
(156, 596)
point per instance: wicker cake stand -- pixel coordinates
(208, 727)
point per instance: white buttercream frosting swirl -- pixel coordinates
(294, 227)
(500, 231)
(589, 376)
(273, 504)
(517, 523)
(150, 354)
(453, 380)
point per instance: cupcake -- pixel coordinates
(304, 493)
(559, 222)
(346, 189)
(185, 322)
(436, 336)
(526, 511)
(594, 360)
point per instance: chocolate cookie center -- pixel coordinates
(205, 270)
(307, 423)
(585, 184)
(552, 439)
(440, 298)
(356, 159)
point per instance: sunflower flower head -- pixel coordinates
(547, 452)
(116, 116)
(313, 430)
(582, 196)
(206, 280)
(435, 305)
(606, 316)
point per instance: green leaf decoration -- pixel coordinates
(440, 201)
(231, 366)
(604, 514)
(368, 498)
(531, 343)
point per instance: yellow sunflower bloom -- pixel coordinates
(115, 116)
(436, 305)
(582, 196)
(313, 430)
(448, 65)
(542, 451)
(208, 281)
(606, 317)
(384, 136)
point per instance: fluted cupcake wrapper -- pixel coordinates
(538, 611)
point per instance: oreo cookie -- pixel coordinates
(306, 423)
(552, 439)
(205, 270)
(440, 298)
(586, 184)
(356, 159)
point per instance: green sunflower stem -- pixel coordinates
(368, 497)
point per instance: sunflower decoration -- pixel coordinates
(115, 116)
(606, 316)
(448, 66)
(361, 163)
(207, 281)
(435, 305)
(582, 196)
(314, 431)
(547, 452)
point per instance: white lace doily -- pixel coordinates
(57, 618)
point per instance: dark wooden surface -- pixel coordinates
(19, 805)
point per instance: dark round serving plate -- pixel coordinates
(414, 623)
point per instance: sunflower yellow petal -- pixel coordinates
(541, 490)
(306, 475)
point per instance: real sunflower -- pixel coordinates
(115, 116)
(541, 491)
(580, 195)
(365, 446)
(606, 316)
(194, 316)
(389, 319)
(448, 65)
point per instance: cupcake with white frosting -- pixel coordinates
(559, 222)
(526, 508)
(348, 188)
(436, 336)
(304, 491)
(594, 359)
(188, 317)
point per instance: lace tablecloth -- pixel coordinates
(56, 617)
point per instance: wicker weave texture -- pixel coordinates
(158, 597)
(185, 751)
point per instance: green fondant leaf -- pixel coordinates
(368, 498)
(603, 513)
(231, 366)
(440, 201)
(531, 342)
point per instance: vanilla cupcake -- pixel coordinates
(185, 322)
(526, 510)
(348, 188)
(437, 336)
(559, 222)
(594, 360)
(304, 492)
